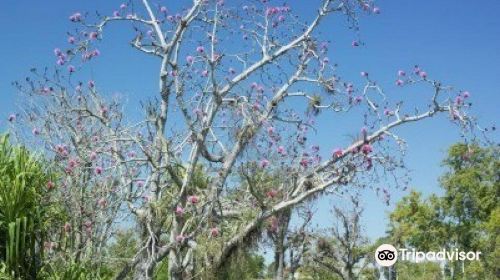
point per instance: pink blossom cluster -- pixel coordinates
(62, 150)
(88, 55)
(271, 193)
(337, 153)
(214, 232)
(419, 72)
(370, 8)
(270, 11)
(76, 17)
(193, 199)
(61, 57)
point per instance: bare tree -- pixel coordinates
(345, 252)
(289, 243)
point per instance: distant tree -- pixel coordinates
(418, 222)
(122, 250)
(346, 251)
(289, 243)
(465, 217)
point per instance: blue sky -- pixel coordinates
(457, 42)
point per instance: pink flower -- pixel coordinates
(116, 14)
(366, 149)
(416, 69)
(71, 39)
(270, 11)
(57, 52)
(72, 163)
(11, 118)
(123, 6)
(193, 199)
(338, 152)
(364, 74)
(60, 62)
(98, 170)
(423, 74)
(264, 163)
(179, 238)
(355, 43)
(102, 202)
(304, 162)
(270, 130)
(214, 232)
(163, 9)
(466, 94)
(326, 60)
(272, 193)
(388, 112)
(281, 150)
(91, 84)
(71, 68)
(61, 149)
(401, 73)
(179, 211)
(75, 17)
(315, 148)
(376, 10)
(200, 49)
(93, 156)
(204, 73)
(50, 185)
(189, 59)
(93, 35)
(399, 82)
(67, 227)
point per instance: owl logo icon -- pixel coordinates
(386, 255)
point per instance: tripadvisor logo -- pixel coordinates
(387, 255)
